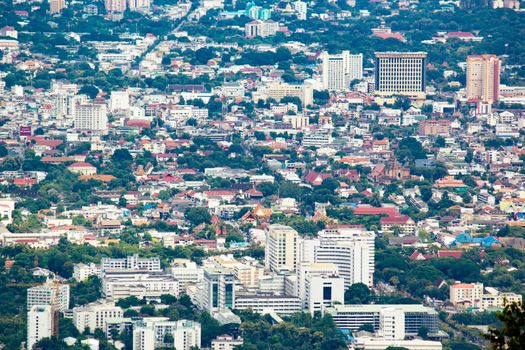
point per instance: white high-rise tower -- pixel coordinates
(340, 70)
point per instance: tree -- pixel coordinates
(511, 335)
(90, 90)
(423, 332)
(197, 216)
(122, 155)
(358, 293)
(3, 150)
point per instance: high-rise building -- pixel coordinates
(47, 295)
(261, 28)
(91, 117)
(322, 291)
(39, 324)
(281, 248)
(153, 333)
(340, 70)
(115, 5)
(483, 73)
(301, 8)
(56, 6)
(352, 250)
(400, 73)
(119, 101)
(218, 291)
(139, 5)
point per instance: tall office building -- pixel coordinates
(483, 78)
(47, 295)
(400, 73)
(115, 5)
(119, 101)
(219, 291)
(139, 5)
(281, 248)
(56, 6)
(39, 324)
(340, 70)
(91, 117)
(352, 250)
(301, 8)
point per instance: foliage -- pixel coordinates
(511, 335)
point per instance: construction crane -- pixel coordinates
(55, 301)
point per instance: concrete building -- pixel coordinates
(352, 317)
(141, 284)
(56, 6)
(225, 342)
(267, 303)
(281, 248)
(95, 315)
(49, 294)
(186, 272)
(259, 28)
(483, 78)
(115, 5)
(91, 117)
(369, 343)
(352, 250)
(139, 5)
(340, 70)
(119, 101)
(81, 272)
(132, 262)
(39, 324)
(278, 91)
(218, 291)
(158, 332)
(301, 8)
(391, 323)
(400, 73)
(323, 291)
(466, 294)
(434, 127)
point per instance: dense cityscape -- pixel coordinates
(262, 175)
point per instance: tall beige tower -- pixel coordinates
(56, 6)
(281, 247)
(483, 78)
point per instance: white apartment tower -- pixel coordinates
(91, 117)
(139, 5)
(400, 73)
(39, 324)
(301, 8)
(47, 295)
(352, 250)
(281, 248)
(483, 75)
(115, 5)
(119, 101)
(340, 70)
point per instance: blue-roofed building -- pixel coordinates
(465, 240)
